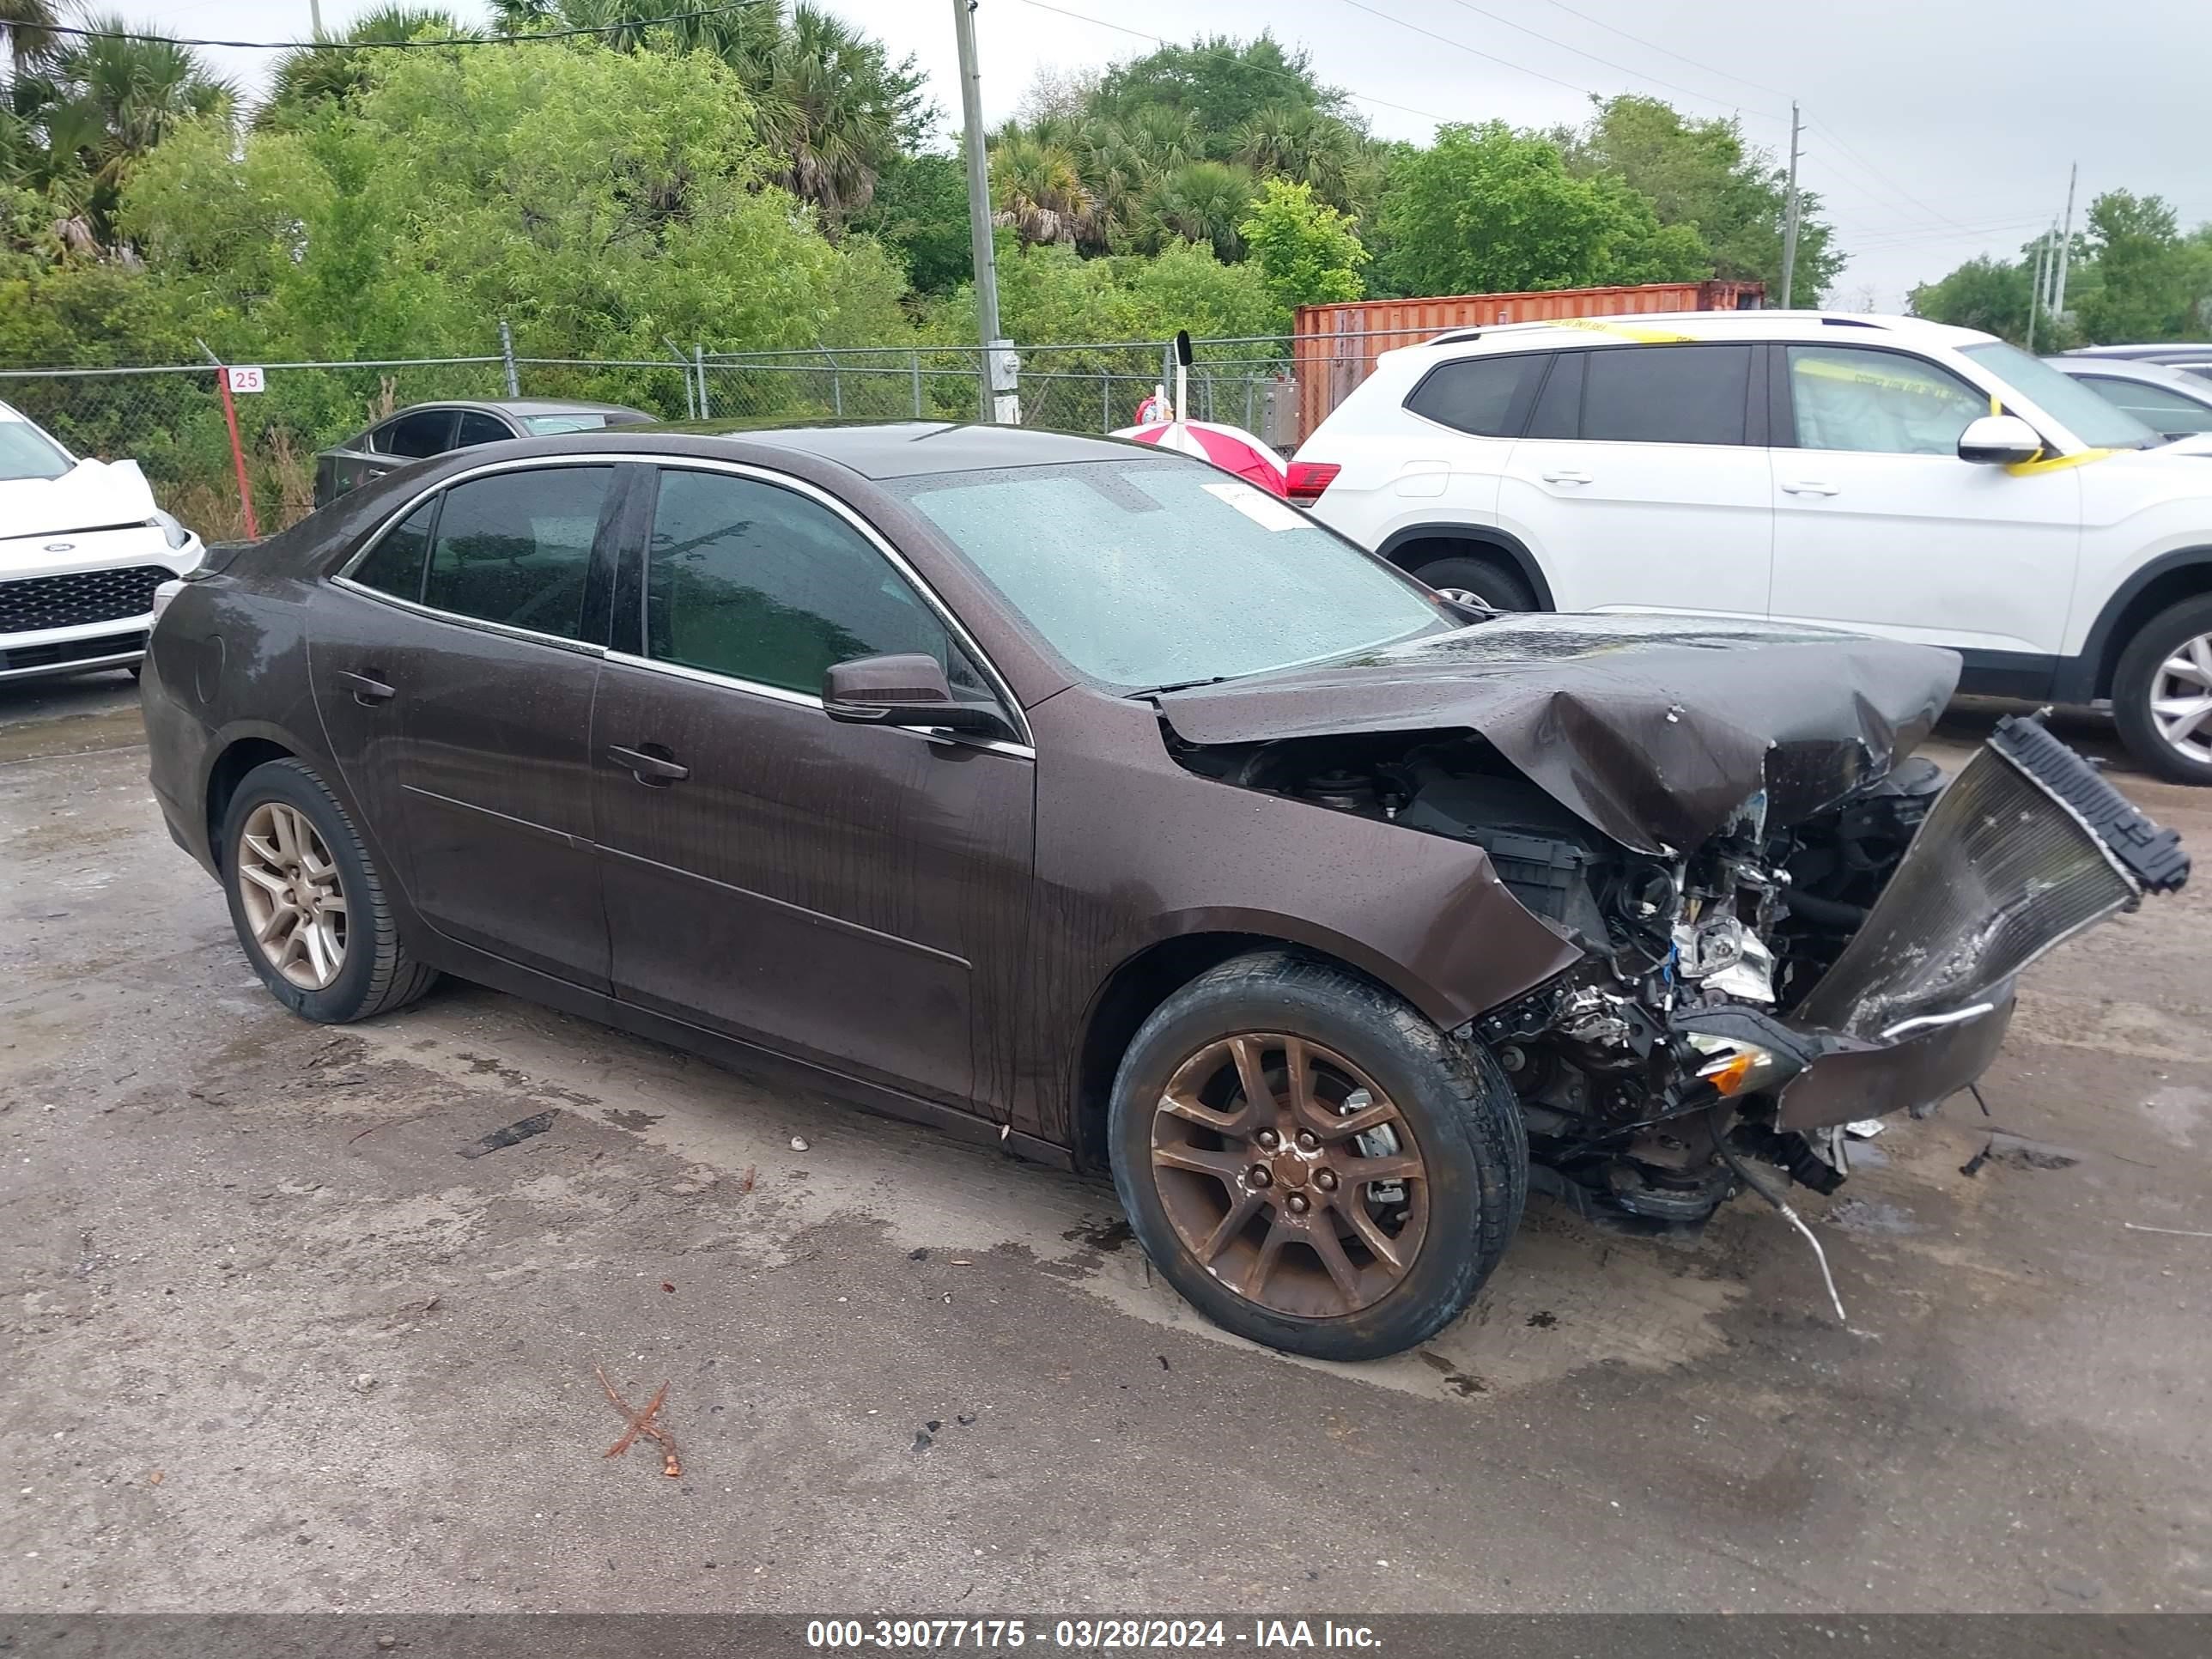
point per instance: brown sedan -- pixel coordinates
(1082, 800)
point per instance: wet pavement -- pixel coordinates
(271, 1341)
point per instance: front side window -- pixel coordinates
(1878, 402)
(515, 548)
(1484, 397)
(750, 579)
(2086, 415)
(2157, 407)
(1152, 573)
(424, 433)
(1666, 394)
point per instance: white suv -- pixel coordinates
(82, 548)
(1889, 474)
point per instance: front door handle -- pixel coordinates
(1810, 487)
(656, 770)
(1565, 475)
(367, 688)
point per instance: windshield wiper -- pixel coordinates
(1184, 685)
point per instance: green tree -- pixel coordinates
(1306, 250)
(1700, 173)
(1198, 202)
(1306, 145)
(1037, 191)
(2152, 283)
(1990, 295)
(1218, 81)
(920, 213)
(28, 27)
(1486, 209)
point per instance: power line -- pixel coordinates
(408, 46)
(1139, 34)
(1489, 57)
(1623, 69)
(1649, 46)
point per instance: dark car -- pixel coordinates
(1089, 802)
(424, 429)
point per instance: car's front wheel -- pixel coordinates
(1489, 583)
(2162, 693)
(1310, 1162)
(308, 904)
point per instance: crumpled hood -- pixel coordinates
(1655, 729)
(90, 495)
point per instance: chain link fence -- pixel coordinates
(170, 420)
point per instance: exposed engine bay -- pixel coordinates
(1743, 998)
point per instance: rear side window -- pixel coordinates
(1485, 396)
(1559, 411)
(424, 433)
(478, 427)
(516, 547)
(394, 565)
(1666, 394)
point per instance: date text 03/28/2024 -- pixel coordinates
(1088, 1635)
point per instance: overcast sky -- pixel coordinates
(1935, 130)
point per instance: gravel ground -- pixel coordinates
(269, 1343)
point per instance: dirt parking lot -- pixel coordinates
(271, 1343)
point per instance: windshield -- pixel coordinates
(1148, 573)
(27, 452)
(2087, 415)
(544, 425)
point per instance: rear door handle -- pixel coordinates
(1565, 475)
(655, 771)
(365, 689)
(1809, 486)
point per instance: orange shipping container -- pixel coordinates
(1334, 348)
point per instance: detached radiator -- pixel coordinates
(2025, 848)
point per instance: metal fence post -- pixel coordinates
(914, 357)
(699, 362)
(237, 449)
(507, 356)
(837, 384)
(691, 399)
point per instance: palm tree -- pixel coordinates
(27, 26)
(303, 81)
(1201, 202)
(1037, 189)
(1305, 145)
(828, 100)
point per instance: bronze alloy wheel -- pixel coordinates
(288, 884)
(1289, 1175)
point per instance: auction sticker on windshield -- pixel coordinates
(1261, 507)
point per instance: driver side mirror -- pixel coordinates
(907, 689)
(1999, 440)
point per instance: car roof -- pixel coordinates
(906, 449)
(2195, 387)
(521, 406)
(2172, 351)
(1799, 326)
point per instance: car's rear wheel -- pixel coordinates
(308, 904)
(1312, 1164)
(2162, 693)
(1489, 583)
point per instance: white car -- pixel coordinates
(82, 547)
(1885, 474)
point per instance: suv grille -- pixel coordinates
(84, 596)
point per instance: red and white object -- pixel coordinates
(1228, 447)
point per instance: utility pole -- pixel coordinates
(2065, 244)
(315, 12)
(999, 364)
(2035, 288)
(1790, 224)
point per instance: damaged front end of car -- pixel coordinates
(1839, 943)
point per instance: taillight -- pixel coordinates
(1306, 480)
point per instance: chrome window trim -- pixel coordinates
(529, 636)
(1009, 705)
(801, 700)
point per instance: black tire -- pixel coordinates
(1493, 582)
(2134, 683)
(377, 974)
(1461, 1112)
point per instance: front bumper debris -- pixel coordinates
(2027, 847)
